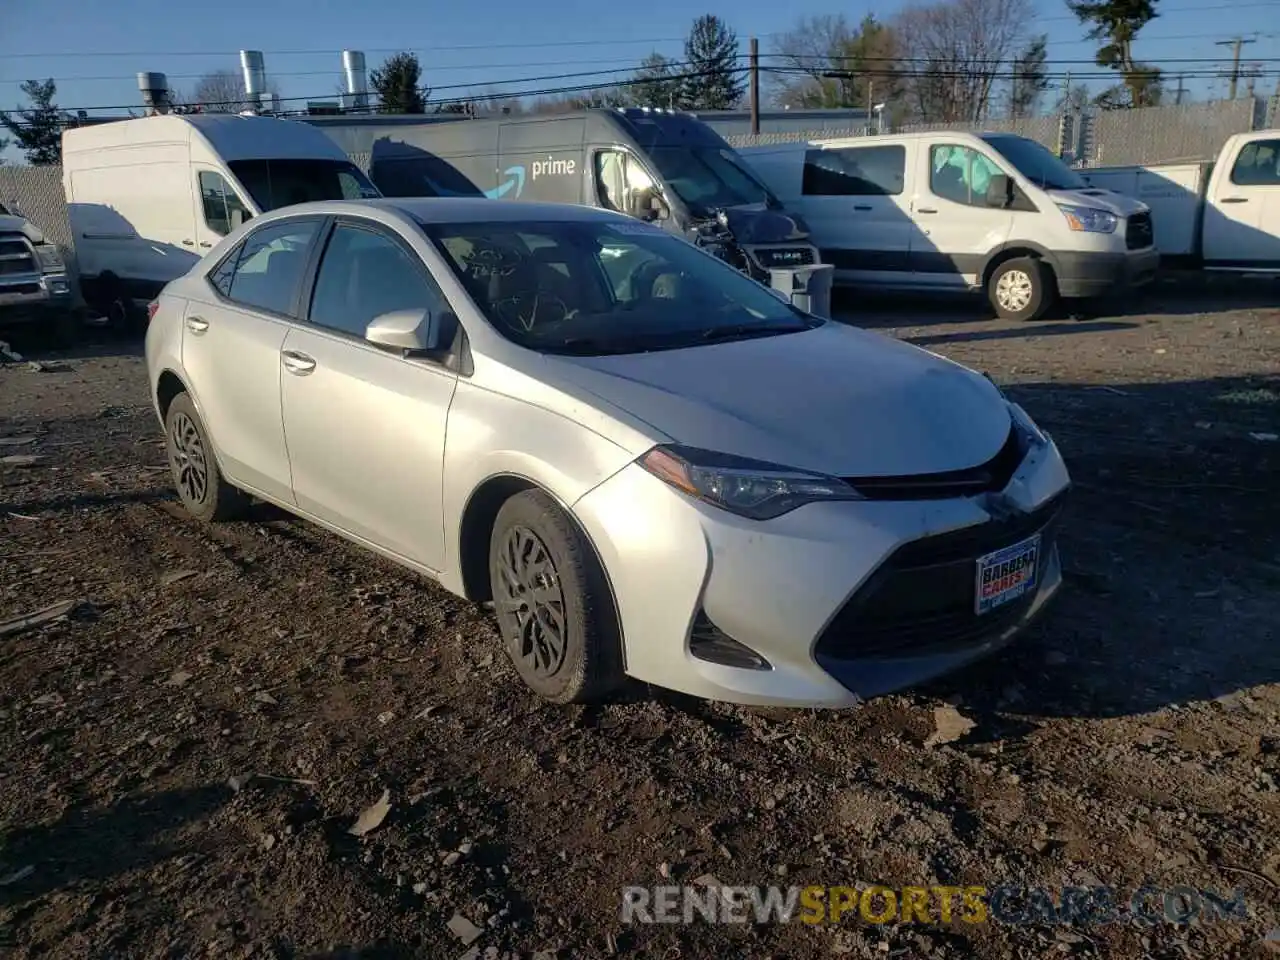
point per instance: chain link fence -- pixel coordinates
(1188, 133)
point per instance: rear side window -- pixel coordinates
(223, 211)
(1258, 165)
(877, 171)
(265, 270)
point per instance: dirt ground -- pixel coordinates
(185, 751)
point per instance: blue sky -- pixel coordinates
(93, 48)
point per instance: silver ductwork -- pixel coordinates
(356, 97)
(154, 88)
(255, 77)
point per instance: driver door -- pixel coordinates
(365, 426)
(220, 208)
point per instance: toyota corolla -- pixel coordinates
(650, 464)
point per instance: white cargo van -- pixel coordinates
(148, 197)
(960, 212)
(1221, 215)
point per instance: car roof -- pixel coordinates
(428, 210)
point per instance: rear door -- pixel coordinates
(1242, 215)
(954, 227)
(231, 345)
(855, 201)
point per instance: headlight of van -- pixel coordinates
(50, 258)
(1089, 219)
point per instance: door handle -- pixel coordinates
(1234, 200)
(188, 243)
(297, 363)
(197, 324)
(206, 244)
(926, 210)
(862, 209)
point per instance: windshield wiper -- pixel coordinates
(739, 331)
(595, 347)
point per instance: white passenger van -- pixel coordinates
(957, 212)
(149, 197)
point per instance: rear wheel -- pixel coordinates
(1020, 289)
(554, 608)
(201, 488)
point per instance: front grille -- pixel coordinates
(922, 599)
(991, 476)
(776, 258)
(16, 256)
(1140, 232)
(24, 287)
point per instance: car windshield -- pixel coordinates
(598, 287)
(1035, 162)
(282, 183)
(708, 179)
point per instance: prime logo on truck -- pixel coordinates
(666, 168)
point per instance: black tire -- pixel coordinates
(536, 546)
(66, 329)
(196, 476)
(1020, 289)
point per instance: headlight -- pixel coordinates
(1088, 219)
(50, 258)
(749, 488)
(1023, 423)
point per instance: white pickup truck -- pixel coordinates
(1220, 215)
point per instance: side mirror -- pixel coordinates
(237, 218)
(412, 331)
(660, 209)
(999, 191)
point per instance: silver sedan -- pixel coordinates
(651, 465)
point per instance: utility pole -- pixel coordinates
(871, 103)
(1178, 95)
(753, 65)
(1235, 44)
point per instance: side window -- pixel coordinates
(223, 211)
(960, 174)
(365, 274)
(269, 266)
(622, 184)
(1258, 165)
(855, 172)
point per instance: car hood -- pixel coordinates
(12, 224)
(1108, 200)
(835, 400)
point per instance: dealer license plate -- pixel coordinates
(1007, 574)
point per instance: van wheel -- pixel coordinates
(554, 608)
(201, 488)
(1020, 289)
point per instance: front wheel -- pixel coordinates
(554, 608)
(1020, 289)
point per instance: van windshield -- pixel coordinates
(1034, 161)
(282, 183)
(709, 179)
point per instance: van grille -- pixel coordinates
(1140, 233)
(16, 256)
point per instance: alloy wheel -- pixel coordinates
(532, 603)
(187, 456)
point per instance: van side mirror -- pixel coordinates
(410, 331)
(237, 218)
(999, 191)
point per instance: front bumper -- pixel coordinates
(1083, 275)
(789, 588)
(32, 297)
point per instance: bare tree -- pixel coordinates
(221, 91)
(959, 50)
(825, 62)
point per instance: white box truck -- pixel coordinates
(1219, 215)
(148, 197)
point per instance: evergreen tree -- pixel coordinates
(398, 83)
(1116, 23)
(38, 131)
(712, 53)
(654, 86)
(1030, 78)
